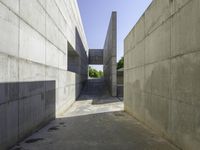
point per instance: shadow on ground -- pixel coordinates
(96, 90)
(95, 122)
(103, 131)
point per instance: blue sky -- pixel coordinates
(96, 16)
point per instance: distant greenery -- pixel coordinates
(120, 63)
(93, 73)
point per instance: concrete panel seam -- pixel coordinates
(146, 35)
(21, 19)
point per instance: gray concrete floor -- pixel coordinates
(95, 122)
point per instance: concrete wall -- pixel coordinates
(95, 57)
(109, 56)
(120, 82)
(162, 73)
(34, 49)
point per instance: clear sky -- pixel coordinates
(96, 16)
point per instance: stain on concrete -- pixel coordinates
(98, 127)
(53, 129)
(61, 123)
(34, 140)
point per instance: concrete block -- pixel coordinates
(29, 71)
(178, 4)
(125, 61)
(4, 92)
(196, 127)
(61, 20)
(136, 78)
(42, 3)
(62, 60)
(128, 101)
(53, 9)
(95, 56)
(9, 68)
(157, 112)
(186, 79)
(156, 14)
(52, 74)
(157, 79)
(140, 30)
(138, 104)
(9, 24)
(62, 95)
(185, 29)
(148, 78)
(129, 41)
(50, 99)
(12, 4)
(27, 89)
(13, 91)
(171, 72)
(52, 55)
(3, 140)
(9, 124)
(71, 77)
(31, 114)
(158, 44)
(55, 36)
(9, 92)
(137, 55)
(160, 79)
(182, 123)
(63, 78)
(34, 14)
(109, 55)
(32, 44)
(12, 123)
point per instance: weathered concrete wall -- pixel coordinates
(109, 56)
(34, 49)
(95, 57)
(120, 82)
(162, 73)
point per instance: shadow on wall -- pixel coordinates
(82, 75)
(24, 107)
(113, 130)
(96, 91)
(143, 99)
(169, 99)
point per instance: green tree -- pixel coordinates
(100, 73)
(120, 63)
(93, 73)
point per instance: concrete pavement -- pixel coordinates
(95, 122)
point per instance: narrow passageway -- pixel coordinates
(96, 121)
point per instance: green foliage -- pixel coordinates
(93, 73)
(120, 64)
(100, 73)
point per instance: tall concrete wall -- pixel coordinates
(34, 81)
(162, 73)
(109, 55)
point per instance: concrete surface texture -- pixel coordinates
(120, 82)
(110, 54)
(95, 57)
(162, 75)
(98, 125)
(34, 44)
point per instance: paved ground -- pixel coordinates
(95, 122)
